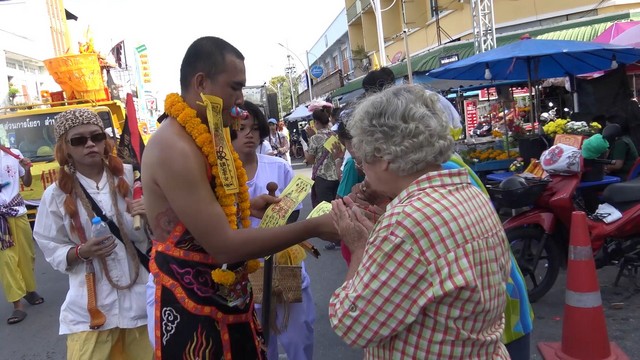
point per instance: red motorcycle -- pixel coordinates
(539, 236)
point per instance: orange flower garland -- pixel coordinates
(232, 206)
(188, 118)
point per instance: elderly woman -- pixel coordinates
(428, 280)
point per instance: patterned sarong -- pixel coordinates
(8, 210)
(196, 318)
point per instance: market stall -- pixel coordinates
(530, 61)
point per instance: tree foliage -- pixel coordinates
(282, 82)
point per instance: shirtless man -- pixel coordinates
(191, 231)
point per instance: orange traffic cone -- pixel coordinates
(584, 330)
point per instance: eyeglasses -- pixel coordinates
(82, 140)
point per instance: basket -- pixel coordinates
(76, 73)
(518, 198)
(287, 280)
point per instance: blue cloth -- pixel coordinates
(350, 177)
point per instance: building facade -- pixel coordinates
(437, 25)
(332, 53)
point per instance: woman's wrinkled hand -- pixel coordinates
(365, 197)
(260, 204)
(98, 247)
(136, 207)
(370, 212)
(354, 228)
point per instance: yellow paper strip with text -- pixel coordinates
(321, 209)
(226, 168)
(277, 214)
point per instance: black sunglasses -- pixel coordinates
(82, 140)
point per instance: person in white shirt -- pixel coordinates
(297, 338)
(278, 141)
(17, 252)
(283, 129)
(103, 314)
(265, 149)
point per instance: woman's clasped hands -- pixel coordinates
(352, 224)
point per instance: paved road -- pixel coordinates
(36, 338)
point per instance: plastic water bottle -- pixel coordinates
(99, 228)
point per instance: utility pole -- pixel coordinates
(279, 102)
(435, 10)
(289, 70)
(405, 34)
(377, 10)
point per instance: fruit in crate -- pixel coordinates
(491, 154)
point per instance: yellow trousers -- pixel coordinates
(17, 262)
(112, 344)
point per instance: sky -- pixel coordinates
(167, 28)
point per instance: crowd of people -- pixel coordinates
(420, 283)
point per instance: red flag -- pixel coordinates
(134, 132)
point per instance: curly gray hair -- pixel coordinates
(405, 125)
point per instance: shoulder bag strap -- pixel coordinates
(113, 227)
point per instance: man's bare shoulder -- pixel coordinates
(170, 145)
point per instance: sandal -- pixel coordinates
(16, 316)
(34, 298)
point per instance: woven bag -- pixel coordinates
(286, 286)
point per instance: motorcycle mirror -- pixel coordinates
(611, 132)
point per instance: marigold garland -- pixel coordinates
(232, 204)
(253, 265)
(227, 277)
(223, 277)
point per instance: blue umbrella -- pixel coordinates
(533, 59)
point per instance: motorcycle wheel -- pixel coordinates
(540, 274)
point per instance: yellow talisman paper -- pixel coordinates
(328, 144)
(277, 214)
(321, 209)
(221, 142)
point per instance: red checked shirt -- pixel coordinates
(431, 284)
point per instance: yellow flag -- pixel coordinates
(376, 64)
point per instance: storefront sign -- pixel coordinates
(470, 114)
(448, 59)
